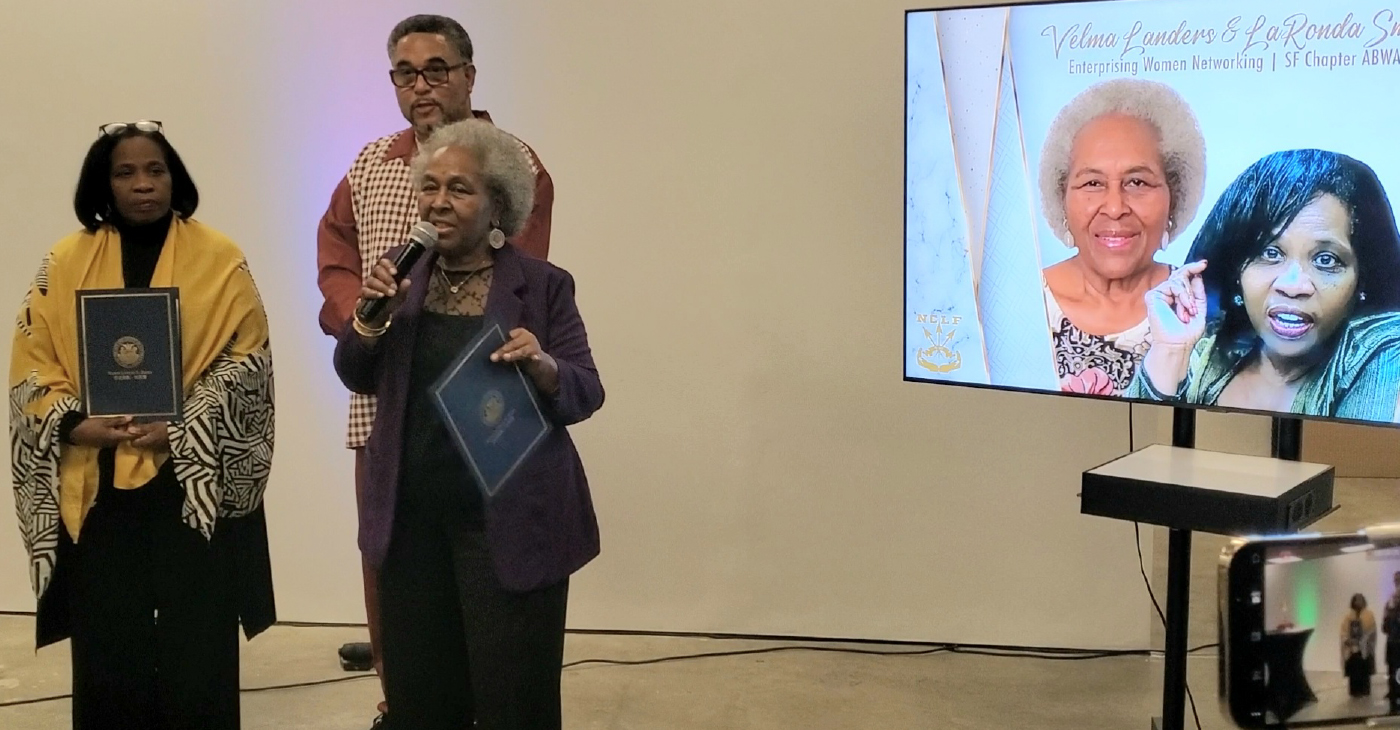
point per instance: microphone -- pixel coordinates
(422, 238)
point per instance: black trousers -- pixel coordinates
(1392, 661)
(154, 617)
(458, 648)
(1359, 671)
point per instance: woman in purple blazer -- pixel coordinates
(472, 591)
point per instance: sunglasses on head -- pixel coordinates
(145, 125)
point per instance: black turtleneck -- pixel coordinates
(141, 247)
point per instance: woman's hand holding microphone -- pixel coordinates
(381, 284)
(522, 348)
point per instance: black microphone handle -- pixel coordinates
(369, 309)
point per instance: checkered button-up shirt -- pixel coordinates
(372, 210)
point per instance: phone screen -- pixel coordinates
(1330, 640)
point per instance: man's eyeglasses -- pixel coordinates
(148, 126)
(435, 74)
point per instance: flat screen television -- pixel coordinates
(1183, 202)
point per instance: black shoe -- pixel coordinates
(381, 722)
(356, 657)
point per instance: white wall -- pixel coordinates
(1323, 588)
(729, 198)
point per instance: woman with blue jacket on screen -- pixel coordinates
(1289, 302)
(1121, 174)
(472, 590)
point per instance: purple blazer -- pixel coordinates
(540, 527)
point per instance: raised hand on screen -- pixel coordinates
(1176, 308)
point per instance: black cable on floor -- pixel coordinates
(1002, 653)
(312, 683)
(996, 652)
(1142, 567)
(35, 701)
(744, 652)
(249, 690)
(1048, 655)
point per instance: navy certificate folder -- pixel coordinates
(491, 410)
(129, 353)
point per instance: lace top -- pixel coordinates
(1097, 364)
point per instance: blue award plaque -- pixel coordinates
(491, 410)
(129, 353)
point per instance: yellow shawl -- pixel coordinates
(222, 321)
(1367, 647)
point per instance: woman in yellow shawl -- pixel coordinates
(147, 542)
(1359, 647)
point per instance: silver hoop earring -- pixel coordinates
(1362, 297)
(1239, 301)
(497, 238)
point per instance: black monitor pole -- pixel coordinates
(1286, 442)
(1178, 595)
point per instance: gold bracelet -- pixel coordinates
(368, 332)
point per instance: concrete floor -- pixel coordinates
(812, 691)
(1334, 700)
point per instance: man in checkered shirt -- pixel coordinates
(374, 206)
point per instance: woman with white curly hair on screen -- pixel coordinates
(1122, 173)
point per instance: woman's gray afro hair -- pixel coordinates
(506, 168)
(1183, 147)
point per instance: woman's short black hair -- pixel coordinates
(93, 200)
(1256, 208)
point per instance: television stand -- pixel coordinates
(1188, 490)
